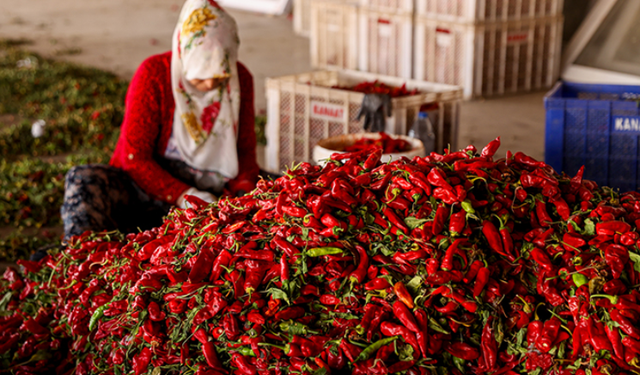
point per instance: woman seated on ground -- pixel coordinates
(188, 129)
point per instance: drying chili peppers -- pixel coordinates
(457, 263)
(377, 87)
(386, 143)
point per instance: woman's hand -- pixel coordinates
(208, 84)
(205, 196)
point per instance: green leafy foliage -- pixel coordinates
(82, 109)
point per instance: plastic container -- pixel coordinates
(334, 34)
(597, 126)
(304, 109)
(386, 41)
(329, 146)
(472, 11)
(489, 59)
(422, 130)
(302, 17)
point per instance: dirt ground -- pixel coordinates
(117, 35)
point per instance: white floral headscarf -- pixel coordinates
(205, 129)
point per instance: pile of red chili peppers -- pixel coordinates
(449, 264)
(377, 87)
(388, 144)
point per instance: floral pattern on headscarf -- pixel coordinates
(205, 125)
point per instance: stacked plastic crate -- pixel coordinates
(302, 17)
(386, 37)
(373, 36)
(334, 34)
(489, 47)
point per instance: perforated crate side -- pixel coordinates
(334, 34)
(386, 43)
(594, 126)
(471, 11)
(302, 17)
(444, 52)
(489, 59)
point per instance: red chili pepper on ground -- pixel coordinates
(403, 294)
(403, 314)
(548, 335)
(490, 149)
(359, 274)
(463, 350)
(481, 281)
(493, 237)
(442, 213)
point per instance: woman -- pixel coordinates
(188, 130)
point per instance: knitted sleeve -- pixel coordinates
(146, 101)
(248, 166)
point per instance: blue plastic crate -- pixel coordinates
(597, 126)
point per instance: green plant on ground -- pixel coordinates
(82, 109)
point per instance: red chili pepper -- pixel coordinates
(222, 260)
(394, 219)
(360, 273)
(350, 351)
(438, 178)
(626, 325)
(610, 228)
(293, 312)
(632, 344)
(391, 329)
(597, 335)
(616, 257)
(442, 213)
(528, 161)
(616, 341)
(285, 247)
(457, 223)
(447, 261)
(489, 346)
(403, 294)
(493, 237)
(543, 216)
(562, 208)
(470, 306)
(373, 159)
(533, 332)
(403, 314)
(548, 335)
(420, 180)
(490, 149)
(542, 259)
(294, 211)
(141, 360)
(481, 281)
(463, 350)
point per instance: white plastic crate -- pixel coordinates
(386, 43)
(389, 6)
(488, 10)
(489, 59)
(302, 17)
(334, 34)
(303, 109)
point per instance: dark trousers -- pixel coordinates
(103, 198)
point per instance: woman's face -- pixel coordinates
(209, 84)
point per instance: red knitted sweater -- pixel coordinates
(147, 127)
